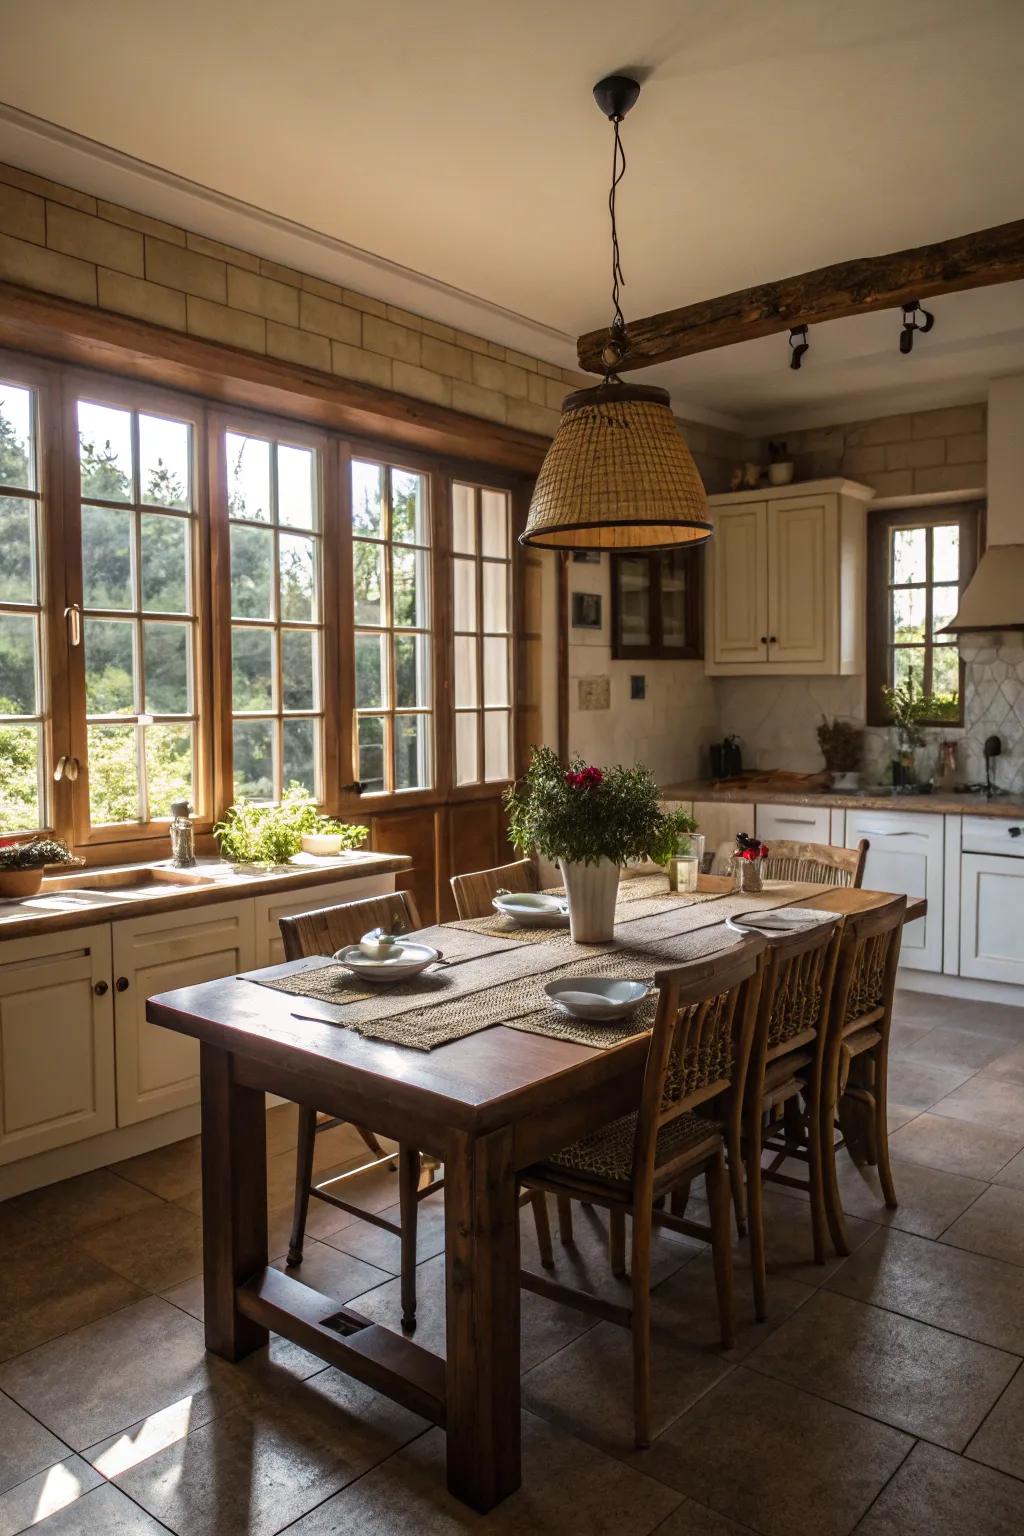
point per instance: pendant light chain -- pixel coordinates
(618, 171)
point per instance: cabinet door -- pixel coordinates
(157, 1069)
(801, 595)
(739, 613)
(794, 823)
(991, 921)
(270, 909)
(906, 856)
(56, 1041)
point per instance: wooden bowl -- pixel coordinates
(16, 884)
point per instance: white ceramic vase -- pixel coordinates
(592, 890)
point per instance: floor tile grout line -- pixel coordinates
(911, 1448)
(938, 1327)
(988, 1414)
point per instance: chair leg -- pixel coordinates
(564, 1218)
(882, 1131)
(721, 1248)
(815, 1153)
(678, 1199)
(827, 1143)
(371, 1141)
(539, 1203)
(755, 1210)
(617, 1241)
(640, 1326)
(303, 1178)
(408, 1205)
(734, 1145)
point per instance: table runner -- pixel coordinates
(641, 896)
(506, 986)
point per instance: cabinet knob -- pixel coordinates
(121, 984)
(773, 639)
(1016, 831)
(101, 989)
(764, 639)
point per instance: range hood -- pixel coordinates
(994, 597)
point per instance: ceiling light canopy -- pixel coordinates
(618, 474)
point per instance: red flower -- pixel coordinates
(584, 778)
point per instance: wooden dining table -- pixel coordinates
(486, 1105)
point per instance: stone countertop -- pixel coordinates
(110, 892)
(939, 802)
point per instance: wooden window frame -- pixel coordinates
(480, 633)
(692, 648)
(970, 518)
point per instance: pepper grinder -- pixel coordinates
(183, 836)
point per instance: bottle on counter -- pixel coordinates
(183, 836)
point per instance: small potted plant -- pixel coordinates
(748, 862)
(780, 467)
(842, 747)
(909, 712)
(592, 821)
(325, 837)
(22, 864)
(265, 836)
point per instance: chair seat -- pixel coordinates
(607, 1154)
(779, 1072)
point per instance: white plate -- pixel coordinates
(597, 998)
(408, 961)
(531, 909)
(780, 920)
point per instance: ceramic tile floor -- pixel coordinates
(883, 1395)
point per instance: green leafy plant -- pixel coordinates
(260, 834)
(583, 814)
(911, 711)
(36, 854)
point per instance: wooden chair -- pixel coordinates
(821, 862)
(782, 1095)
(473, 893)
(855, 1071)
(699, 1047)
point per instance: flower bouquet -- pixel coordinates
(748, 860)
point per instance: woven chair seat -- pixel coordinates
(607, 1154)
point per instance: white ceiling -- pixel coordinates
(458, 140)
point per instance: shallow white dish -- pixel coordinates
(408, 961)
(532, 909)
(598, 998)
(780, 920)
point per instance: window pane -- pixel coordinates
(465, 672)
(945, 602)
(946, 671)
(946, 553)
(298, 678)
(495, 671)
(371, 752)
(105, 452)
(17, 438)
(908, 668)
(495, 597)
(252, 573)
(165, 552)
(300, 756)
(18, 664)
(110, 667)
(412, 752)
(409, 579)
(106, 557)
(494, 523)
(17, 547)
(909, 555)
(371, 672)
(409, 522)
(465, 594)
(908, 614)
(254, 759)
(298, 577)
(463, 520)
(248, 461)
(165, 462)
(412, 671)
(113, 774)
(496, 764)
(367, 499)
(252, 668)
(466, 771)
(296, 482)
(20, 750)
(169, 766)
(368, 581)
(167, 661)
(673, 599)
(634, 578)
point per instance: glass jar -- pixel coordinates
(183, 836)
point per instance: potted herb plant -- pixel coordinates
(592, 821)
(22, 864)
(909, 712)
(842, 747)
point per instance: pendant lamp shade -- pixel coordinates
(618, 475)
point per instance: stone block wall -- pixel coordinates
(917, 453)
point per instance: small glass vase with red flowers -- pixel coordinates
(748, 862)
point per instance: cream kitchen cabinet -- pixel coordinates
(992, 899)
(786, 581)
(56, 1041)
(906, 855)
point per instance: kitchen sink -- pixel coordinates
(149, 880)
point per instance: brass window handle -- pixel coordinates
(67, 768)
(73, 615)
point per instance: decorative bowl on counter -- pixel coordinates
(322, 844)
(16, 884)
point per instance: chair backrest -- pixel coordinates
(474, 893)
(796, 990)
(869, 953)
(821, 862)
(323, 932)
(700, 1041)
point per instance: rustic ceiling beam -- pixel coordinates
(830, 293)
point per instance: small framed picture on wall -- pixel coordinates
(586, 610)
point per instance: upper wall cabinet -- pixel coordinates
(786, 581)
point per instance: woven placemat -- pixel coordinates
(641, 896)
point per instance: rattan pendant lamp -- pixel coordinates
(618, 474)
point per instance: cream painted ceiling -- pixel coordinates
(459, 139)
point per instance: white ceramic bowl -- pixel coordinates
(780, 920)
(532, 909)
(408, 960)
(321, 843)
(599, 998)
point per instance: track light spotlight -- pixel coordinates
(799, 345)
(911, 323)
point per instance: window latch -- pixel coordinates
(356, 787)
(73, 615)
(67, 768)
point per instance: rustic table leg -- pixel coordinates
(482, 1265)
(234, 1202)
